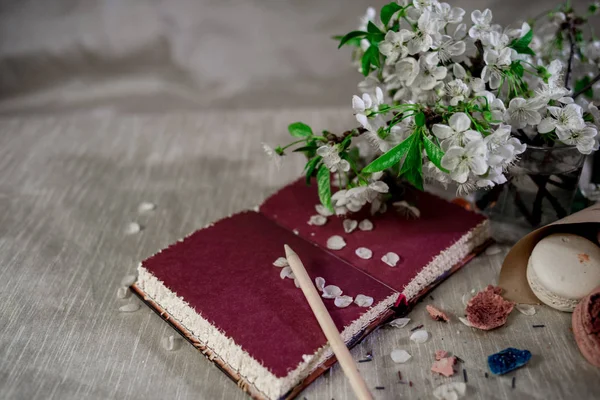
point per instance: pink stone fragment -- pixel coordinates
(439, 354)
(444, 366)
(488, 310)
(437, 314)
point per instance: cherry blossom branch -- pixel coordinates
(586, 87)
(571, 56)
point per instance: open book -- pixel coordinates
(220, 289)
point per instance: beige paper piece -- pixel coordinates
(513, 275)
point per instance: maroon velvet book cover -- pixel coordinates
(219, 286)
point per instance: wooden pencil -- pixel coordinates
(329, 329)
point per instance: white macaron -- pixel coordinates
(562, 269)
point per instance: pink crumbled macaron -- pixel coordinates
(586, 327)
(488, 310)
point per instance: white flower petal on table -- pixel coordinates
(320, 283)
(363, 301)
(132, 228)
(400, 356)
(146, 206)
(420, 336)
(364, 253)
(343, 301)
(336, 243)
(331, 292)
(450, 391)
(317, 220)
(322, 210)
(526, 309)
(365, 225)
(399, 322)
(128, 280)
(123, 292)
(493, 250)
(286, 272)
(465, 321)
(281, 262)
(465, 298)
(391, 259)
(350, 225)
(131, 307)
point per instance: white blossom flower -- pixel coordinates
(393, 46)
(407, 70)
(555, 74)
(594, 112)
(365, 19)
(448, 47)
(427, 30)
(429, 72)
(458, 91)
(273, 155)
(461, 161)
(493, 177)
(367, 103)
(592, 52)
(563, 119)
(424, 4)
(354, 199)
(502, 147)
(332, 159)
(498, 41)
(583, 138)
(458, 133)
(521, 113)
(448, 14)
(481, 23)
(495, 60)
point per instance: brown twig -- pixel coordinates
(571, 56)
(586, 87)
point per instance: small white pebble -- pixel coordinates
(131, 307)
(146, 206)
(364, 253)
(123, 292)
(465, 321)
(128, 280)
(400, 356)
(363, 301)
(343, 301)
(349, 225)
(331, 292)
(286, 272)
(320, 283)
(420, 336)
(365, 225)
(399, 322)
(132, 228)
(526, 309)
(171, 343)
(336, 242)
(322, 210)
(317, 220)
(493, 250)
(391, 259)
(281, 262)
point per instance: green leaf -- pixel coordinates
(434, 153)
(391, 157)
(323, 182)
(351, 35)
(371, 57)
(299, 129)
(517, 68)
(488, 116)
(420, 119)
(412, 169)
(310, 168)
(581, 83)
(372, 28)
(346, 142)
(388, 11)
(521, 45)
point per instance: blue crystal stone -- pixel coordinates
(508, 360)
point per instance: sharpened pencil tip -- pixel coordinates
(288, 251)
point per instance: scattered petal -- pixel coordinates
(322, 210)
(488, 310)
(320, 283)
(365, 225)
(465, 298)
(439, 354)
(317, 220)
(436, 314)
(407, 210)
(146, 206)
(296, 231)
(131, 307)
(343, 301)
(420, 336)
(363, 301)
(399, 322)
(331, 292)
(526, 309)
(123, 292)
(465, 321)
(286, 272)
(349, 225)
(450, 391)
(171, 343)
(128, 280)
(132, 228)
(508, 360)
(281, 262)
(391, 259)
(400, 356)
(336, 242)
(493, 250)
(444, 366)
(364, 253)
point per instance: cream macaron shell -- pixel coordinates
(562, 269)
